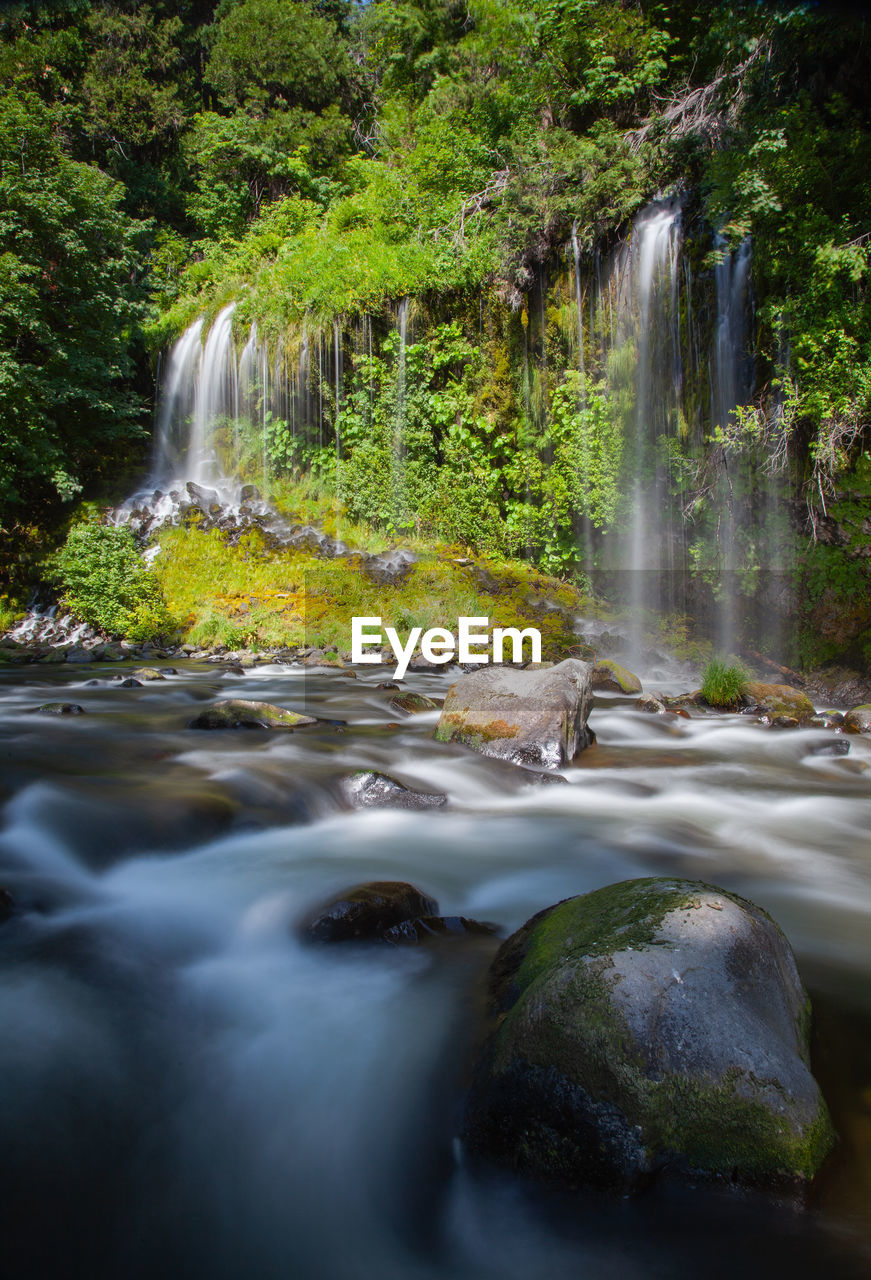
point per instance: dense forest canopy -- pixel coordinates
(323, 159)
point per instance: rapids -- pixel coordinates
(190, 1092)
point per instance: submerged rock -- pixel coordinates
(59, 709)
(370, 790)
(527, 717)
(858, 720)
(654, 1024)
(427, 929)
(367, 912)
(610, 677)
(413, 703)
(777, 700)
(237, 713)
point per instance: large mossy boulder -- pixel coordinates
(610, 677)
(534, 718)
(654, 1024)
(238, 713)
(778, 700)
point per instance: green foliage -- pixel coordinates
(722, 685)
(106, 583)
(68, 304)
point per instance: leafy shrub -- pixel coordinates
(722, 686)
(107, 584)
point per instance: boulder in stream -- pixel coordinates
(655, 1024)
(413, 704)
(534, 718)
(144, 674)
(370, 790)
(777, 700)
(238, 713)
(609, 677)
(423, 930)
(858, 720)
(59, 709)
(366, 912)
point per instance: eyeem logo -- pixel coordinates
(439, 645)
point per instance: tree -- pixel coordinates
(68, 304)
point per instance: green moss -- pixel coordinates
(706, 1124)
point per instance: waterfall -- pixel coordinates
(215, 388)
(175, 405)
(731, 385)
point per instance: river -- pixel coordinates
(189, 1091)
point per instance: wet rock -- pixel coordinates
(535, 718)
(858, 720)
(370, 790)
(234, 671)
(413, 703)
(390, 567)
(427, 929)
(202, 497)
(78, 654)
(237, 713)
(144, 674)
(540, 778)
(7, 905)
(610, 677)
(777, 700)
(129, 683)
(827, 720)
(249, 493)
(832, 746)
(59, 709)
(653, 1024)
(652, 704)
(779, 722)
(366, 912)
(322, 658)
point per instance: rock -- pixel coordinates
(827, 720)
(370, 790)
(59, 709)
(366, 912)
(249, 493)
(322, 658)
(654, 1024)
(390, 567)
(610, 677)
(779, 722)
(777, 700)
(202, 497)
(651, 704)
(129, 683)
(237, 713)
(77, 654)
(528, 717)
(413, 703)
(858, 720)
(835, 745)
(144, 674)
(424, 929)
(7, 905)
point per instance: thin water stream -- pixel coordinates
(188, 1091)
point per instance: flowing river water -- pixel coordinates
(189, 1091)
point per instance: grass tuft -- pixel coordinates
(722, 685)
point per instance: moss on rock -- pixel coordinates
(654, 1023)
